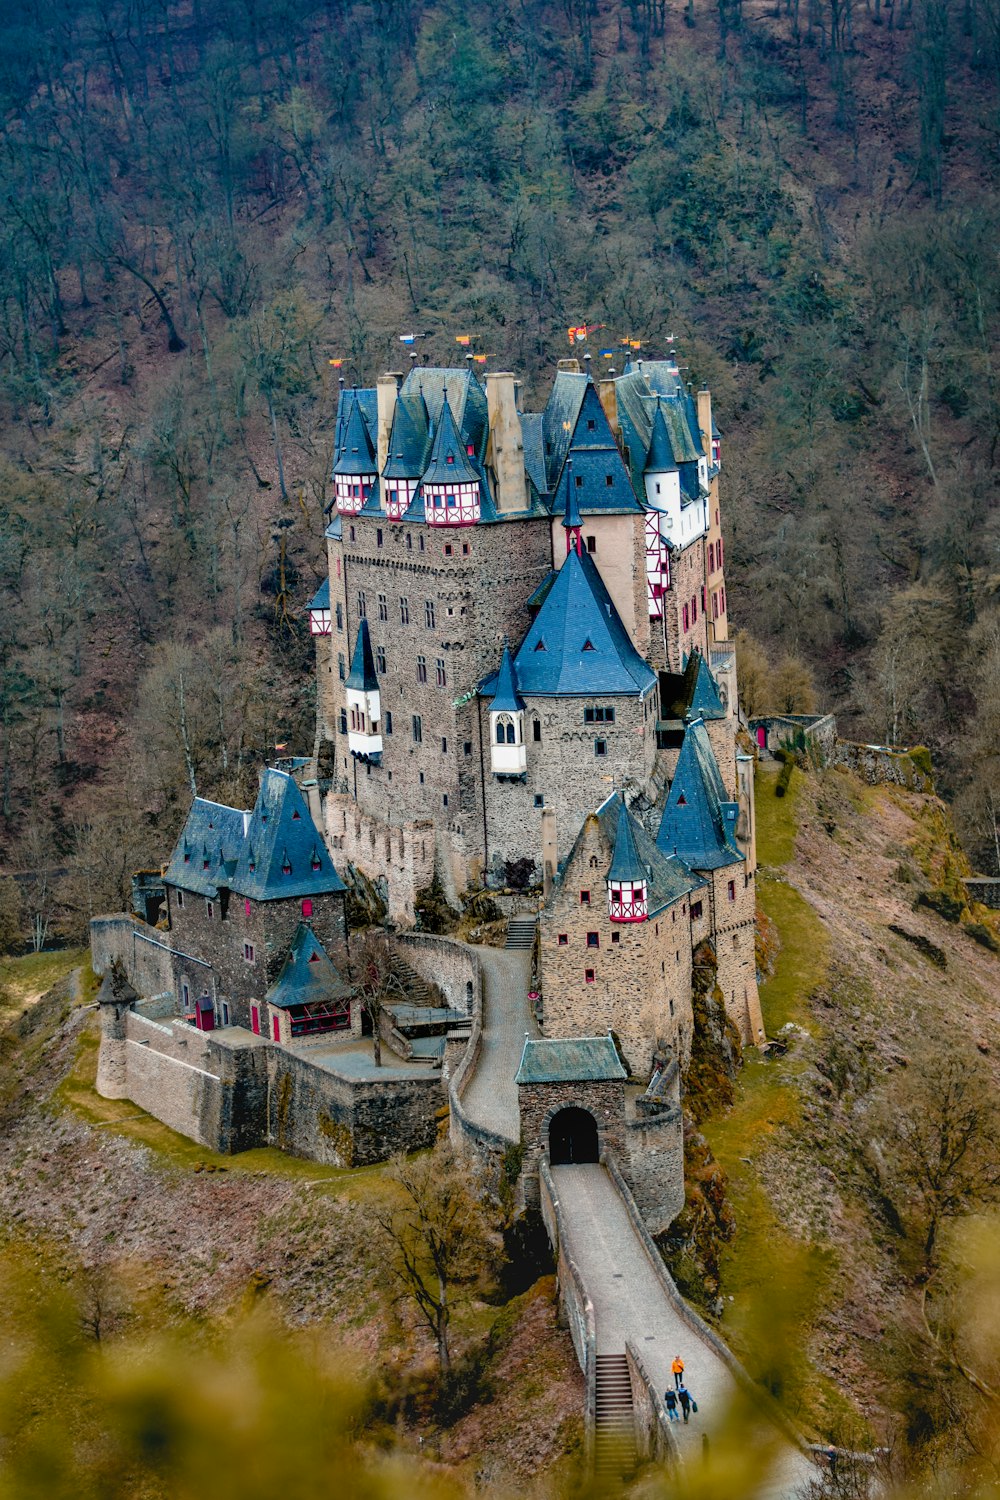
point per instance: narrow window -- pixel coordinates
(210, 909)
(418, 731)
(352, 534)
(732, 890)
(275, 1023)
(421, 669)
(378, 536)
(444, 800)
(467, 747)
(584, 898)
(404, 611)
(388, 722)
(409, 542)
(429, 613)
(590, 424)
(536, 730)
(465, 549)
(180, 900)
(340, 617)
(444, 745)
(591, 544)
(380, 659)
(362, 605)
(563, 939)
(616, 936)
(588, 975)
(341, 666)
(343, 721)
(447, 549)
(307, 907)
(609, 480)
(593, 940)
(600, 747)
(539, 800)
(442, 677)
(248, 952)
(383, 607)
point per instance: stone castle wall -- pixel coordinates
(734, 901)
(141, 950)
(879, 765)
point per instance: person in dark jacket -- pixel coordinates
(670, 1397)
(684, 1397)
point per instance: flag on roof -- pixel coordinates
(465, 339)
(607, 353)
(480, 358)
(336, 363)
(407, 338)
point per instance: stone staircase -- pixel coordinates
(418, 991)
(614, 1427)
(521, 933)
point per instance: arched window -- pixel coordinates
(500, 733)
(510, 734)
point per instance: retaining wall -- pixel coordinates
(879, 765)
(449, 965)
(140, 949)
(653, 1439)
(576, 1306)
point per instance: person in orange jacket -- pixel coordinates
(677, 1371)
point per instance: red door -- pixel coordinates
(206, 1014)
(276, 1028)
(761, 737)
(255, 1019)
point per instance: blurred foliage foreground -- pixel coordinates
(249, 1408)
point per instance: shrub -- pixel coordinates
(781, 785)
(948, 907)
(982, 934)
(921, 758)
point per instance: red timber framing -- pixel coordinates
(322, 1015)
(319, 622)
(657, 565)
(451, 504)
(352, 491)
(398, 496)
(627, 901)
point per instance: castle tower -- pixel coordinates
(115, 999)
(450, 484)
(355, 473)
(628, 887)
(364, 702)
(508, 754)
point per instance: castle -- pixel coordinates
(525, 685)
(525, 677)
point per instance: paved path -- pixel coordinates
(490, 1100)
(630, 1303)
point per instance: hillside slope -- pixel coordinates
(820, 1256)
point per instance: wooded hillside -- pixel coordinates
(205, 203)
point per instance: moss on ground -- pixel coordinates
(25, 979)
(777, 817)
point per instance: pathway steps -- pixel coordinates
(614, 1428)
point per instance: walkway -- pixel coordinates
(490, 1100)
(630, 1303)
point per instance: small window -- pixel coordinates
(210, 908)
(409, 542)
(584, 898)
(421, 544)
(340, 617)
(616, 936)
(421, 669)
(536, 730)
(465, 549)
(341, 666)
(275, 1023)
(695, 910)
(442, 676)
(420, 777)
(591, 544)
(588, 645)
(732, 890)
(447, 549)
(444, 799)
(609, 480)
(429, 614)
(579, 481)
(180, 900)
(591, 424)
(383, 607)
(467, 747)
(600, 747)
(248, 952)
(378, 536)
(588, 975)
(388, 722)
(352, 534)
(444, 745)
(343, 721)
(418, 732)
(404, 611)
(307, 907)
(362, 605)
(563, 939)
(539, 800)
(593, 940)
(380, 659)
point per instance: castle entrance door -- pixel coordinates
(572, 1137)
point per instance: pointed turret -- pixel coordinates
(508, 752)
(699, 820)
(660, 459)
(628, 896)
(572, 520)
(407, 456)
(355, 472)
(450, 483)
(364, 701)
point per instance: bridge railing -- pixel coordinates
(577, 1306)
(653, 1437)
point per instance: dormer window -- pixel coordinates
(286, 867)
(316, 862)
(450, 459)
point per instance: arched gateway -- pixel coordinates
(573, 1137)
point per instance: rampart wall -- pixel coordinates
(140, 949)
(880, 765)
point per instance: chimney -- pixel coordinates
(386, 388)
(549, 851)
(609, 400)
(571, 366)
(705, 420)
(505, 452)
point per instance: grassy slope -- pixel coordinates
(811, 1273)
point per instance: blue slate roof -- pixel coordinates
(660, 458)
(569, 1060)
(572, 519)
(362, 675)
(466, 398)
(308, 976)
(699, 821)
(705, 702)
(409, 440)
(625, 862)
(283, 853)
(507, 699)
(577, 645)
(593, 466)
(668, 879)
(449, 462)
(210, 840)
(321, 598)
(559, 420)
(357, 455)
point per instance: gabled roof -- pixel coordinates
(356, 456)
(577, 644)
(449, 462)
(307, 977)
(593, 466)
(559, 420)
(211, 839)
(534, 450)
(569, 1060)
(362, 674)
(283, 853)
(321, 598)
(507, 700)
(699, 821)
(466, 398)
(409, 439)
(667, 878)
